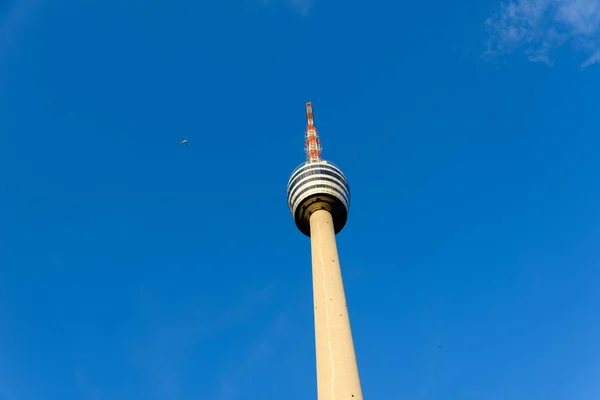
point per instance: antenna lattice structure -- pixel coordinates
(312, 145)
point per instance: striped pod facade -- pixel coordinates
(318, 185)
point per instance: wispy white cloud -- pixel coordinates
(87, 389)
(159, 354)
(301, 6)
(257, 356)
(12, 386)
(15, 17)
(537, 27)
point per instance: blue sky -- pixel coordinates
(135, 268)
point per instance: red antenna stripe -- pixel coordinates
(313, 144)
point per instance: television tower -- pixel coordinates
(319, 198)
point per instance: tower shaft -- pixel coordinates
(337, 370)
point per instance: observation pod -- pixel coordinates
(319, 185)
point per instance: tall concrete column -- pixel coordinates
(318, 196)
(337, 370)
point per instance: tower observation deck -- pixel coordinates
(318, 185)
(318, 196)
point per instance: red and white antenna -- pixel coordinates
(312, 145)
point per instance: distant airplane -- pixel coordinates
(183, 141)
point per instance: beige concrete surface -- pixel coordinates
(337, 371)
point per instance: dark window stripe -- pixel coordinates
(317, 178)
(313, 168)
(321, 186)
(329, 172)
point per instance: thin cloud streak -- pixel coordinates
(537, 27)
(301, 6)
(255, 359)
(84, 385)
(160, 354)
(19, 15)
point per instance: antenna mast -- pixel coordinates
(312, 146)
